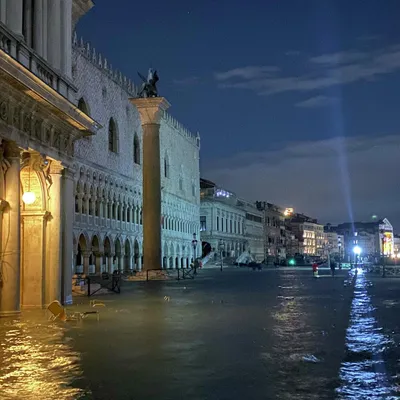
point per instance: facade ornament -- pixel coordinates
(149, 88)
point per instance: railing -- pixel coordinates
(19, 51)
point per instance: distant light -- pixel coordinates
(292, 261)
(28, 198)
(357, 250)
(374, 216)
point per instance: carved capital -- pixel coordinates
(151, 109)
(56, 168)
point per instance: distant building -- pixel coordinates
(274, 230)
(221, 219)
(309, 233)
(374, 238)
(254, 229)
(334, 243)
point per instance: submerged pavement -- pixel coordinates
(271, 334)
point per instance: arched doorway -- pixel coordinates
(95, 260)
(128, 256)
(118, 256)
(82, 247)
(165, 256)
(136, 255)
(106, 267)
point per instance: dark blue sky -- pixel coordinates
(259, 81)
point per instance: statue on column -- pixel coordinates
(149, 88)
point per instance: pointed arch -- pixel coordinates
(136, 149)
(83, 106)
(166, 166)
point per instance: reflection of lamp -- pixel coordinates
(29, 197)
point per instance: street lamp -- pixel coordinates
(340, 252)
(221, 247)
(383, 239)
(357, 252)
(194, 245)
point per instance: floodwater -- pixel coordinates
(227, 335)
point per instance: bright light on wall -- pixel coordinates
(28, 198)
(357, 250)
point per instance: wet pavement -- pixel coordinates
(272, 334)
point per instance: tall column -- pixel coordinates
(110, 266)
(67, 207)
(27, 21)
(54, 33)
(38, 27)
(86, 256)
(151, 110)
(11, 240)
(54, 255)
(3, 11)
(44, 30)
(66, 37)
(99, 261)
(14, 16)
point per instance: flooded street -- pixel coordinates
(231, 335)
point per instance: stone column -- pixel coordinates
(151, 110)
(67, 207)
(121, 258)
(38, 27)
(66, 37)
(86, 255)
(44, 28)
(10, 288)
(110, 263)
(3, 11)
(54, 33)
(27, 21)
(99, 261)
(139, 263)
(14, 16)
(54, 252)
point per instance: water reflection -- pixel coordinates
(36, 361)
(363, 373)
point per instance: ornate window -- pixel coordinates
(112, 136)
(136, 149)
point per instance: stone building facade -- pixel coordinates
(71, 155)
(274, 230)
(254, 229)
(222, 220)
(108, 189)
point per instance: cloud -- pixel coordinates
(316, 102)
(327, 179)
(247, 73)
(189, 81)
(323, 71)
(345, 57)
(292, 53)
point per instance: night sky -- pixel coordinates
(297, 102)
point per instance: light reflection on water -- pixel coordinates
(363, 374)
(36, 361)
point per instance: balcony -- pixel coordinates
(19, 51)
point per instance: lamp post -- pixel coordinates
(340, 253)
(357, 252)
(221, 248)
(194, 245)
(383, 238)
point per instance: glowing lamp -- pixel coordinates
(357, 250)
(28, 198)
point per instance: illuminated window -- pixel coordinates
(203, 226)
